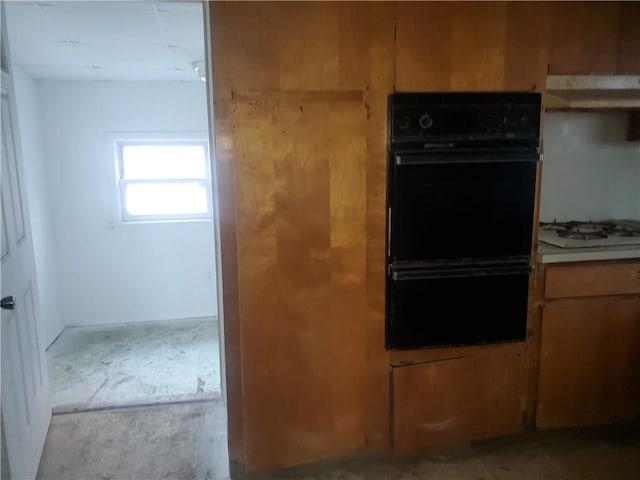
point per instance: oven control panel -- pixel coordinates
(463, 117)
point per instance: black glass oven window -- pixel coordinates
(457, 311)
(461, 210)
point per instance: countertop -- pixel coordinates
(552, 254)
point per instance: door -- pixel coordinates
(452, 205)
(449, 306)
(589, 361)
(25, 397)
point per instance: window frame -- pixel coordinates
(170, 140)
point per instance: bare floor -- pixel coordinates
(188, 441)
(602, 453)
(180, 441)
(146, 363)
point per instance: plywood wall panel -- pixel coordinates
(257, 261)
(528, 26)
(478, 32)
(347, 171)
(302, 268)
(315, 29)
(226, 197)
(354, 42)
(423, 46)
(322, 45)
(381, 63)
(252, 59)
(293, 45)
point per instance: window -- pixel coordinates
(164, 180)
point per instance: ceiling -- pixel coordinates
(106, 40)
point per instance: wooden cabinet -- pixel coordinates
(457, 398)
(590, 280)
(584, 38)
(472, 46)
(303, 223)
(629, 46)
(595, 37)
(590, 347)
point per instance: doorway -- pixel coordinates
(128, 300)
(131, 305)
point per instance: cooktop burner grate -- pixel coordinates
(590, 234)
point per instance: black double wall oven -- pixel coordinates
(460, 206)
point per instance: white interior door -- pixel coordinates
(25, 397)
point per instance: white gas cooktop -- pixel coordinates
(578, 234)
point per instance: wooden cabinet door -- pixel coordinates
(589, 362)
(301, 224)
(584, 38)
(455, 400)
(629, 44)
(595, 38)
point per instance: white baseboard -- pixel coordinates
(213, 319)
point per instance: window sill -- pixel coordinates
(153, 224)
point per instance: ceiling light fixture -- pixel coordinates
(200, 70)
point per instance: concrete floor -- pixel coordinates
(605, 453)
(146, 363)
(188, 441)
(180, 441)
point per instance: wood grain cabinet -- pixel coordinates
(595, 38)
(466, 396)
(590, 346)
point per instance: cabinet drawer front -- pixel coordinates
(590, 280)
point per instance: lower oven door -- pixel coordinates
(441, 307)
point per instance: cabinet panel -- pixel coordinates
(629, 45)
(291, 45)
(471, 46)
(423, 49)
(592, 280)
(589, 362)
(527, 45)
(584, 37)
(302, 278)
(478, 46)
(456, 400)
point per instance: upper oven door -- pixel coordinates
(451, 205)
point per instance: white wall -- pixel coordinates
(590, 172)
(133, 273)
(39, 207)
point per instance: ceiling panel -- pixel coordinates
(107, 40)
(180, 29)
(31, 22)
(118, 55)
(61, 73)
(180, 7)
(48, 54)
(184, 56)
(148, 74)
(106, 23)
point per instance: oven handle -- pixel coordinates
(429, 274)
(389, 232)
(406, 159)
